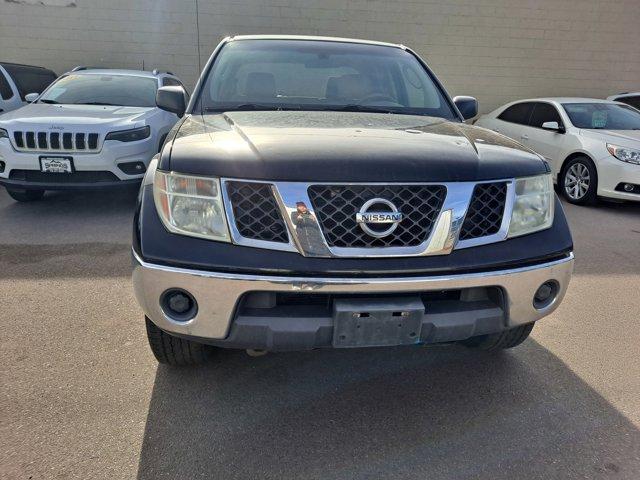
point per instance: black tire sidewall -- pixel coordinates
(591, 195)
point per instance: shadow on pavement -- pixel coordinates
(68, 234)
(442, 412)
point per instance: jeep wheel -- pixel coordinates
(175, 351)
(499, 341)
(26, 195)
(579, 181)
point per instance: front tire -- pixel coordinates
(499, 341)
(26, 195)
(579, 181)
(176, 351)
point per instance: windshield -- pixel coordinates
(318, 75)
(103, 89)
(606, 116)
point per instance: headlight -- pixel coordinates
(533, 206)
(625, 154)
(190, 205)
(3, 133)
(130, 135)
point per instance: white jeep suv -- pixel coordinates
(90, 129)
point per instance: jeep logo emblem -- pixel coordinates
(372, 219)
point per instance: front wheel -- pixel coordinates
(579, 181)
(176, 351)
(499, 341)
(25, 195)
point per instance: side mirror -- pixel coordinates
(31, 97)
(553, 126)
(172, 99)
(468, 106)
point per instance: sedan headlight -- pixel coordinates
(533, 206)
(132, 135)
(625, 154)
(190, 205)
(3, 133)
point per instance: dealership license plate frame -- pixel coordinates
(65, 162)
(377, 322)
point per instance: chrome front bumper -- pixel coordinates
(217, 294)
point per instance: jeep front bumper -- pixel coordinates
(456, 306)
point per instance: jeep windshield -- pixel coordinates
(321, 75)
(102, 89)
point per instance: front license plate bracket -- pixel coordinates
(377, 322)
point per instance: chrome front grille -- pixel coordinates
(45, 141)
(337, 205)
(322, 220)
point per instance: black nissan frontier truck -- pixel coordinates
(326, 192)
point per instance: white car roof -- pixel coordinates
(564, 100)
(114, 71)
(312, 38)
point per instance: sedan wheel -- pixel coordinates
(579, 181)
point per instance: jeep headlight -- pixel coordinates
(3, 133)
(533, 205)
(191, 205)
(629, 155)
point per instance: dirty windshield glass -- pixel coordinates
(319, 75)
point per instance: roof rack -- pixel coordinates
(158, 72)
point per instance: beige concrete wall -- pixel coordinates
(497, 50)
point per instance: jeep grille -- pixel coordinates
(45, 141)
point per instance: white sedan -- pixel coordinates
(592, 146)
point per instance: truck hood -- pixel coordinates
(37, 116)
(343, 147)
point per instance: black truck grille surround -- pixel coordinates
(336, 208)
(485, 212)
(256, 213)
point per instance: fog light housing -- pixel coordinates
(179, 305)
(546, 294)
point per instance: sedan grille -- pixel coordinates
(484, 216)
(256, 213)
(56, 141)
(336, 207)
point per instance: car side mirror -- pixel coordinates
(172, 99)
(468, 106)
(31, 97)
(553, 126)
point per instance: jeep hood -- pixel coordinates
(343, 147)
(40, 116)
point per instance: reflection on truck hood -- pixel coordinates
(344, 146)
(39, 115)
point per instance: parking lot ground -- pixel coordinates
(82, 396)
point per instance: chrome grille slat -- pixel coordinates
(46, 141)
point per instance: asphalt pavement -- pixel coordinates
(82, 396)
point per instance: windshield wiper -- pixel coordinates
(251, 107)
(97, 103)
(361, 108)
(51, 102)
